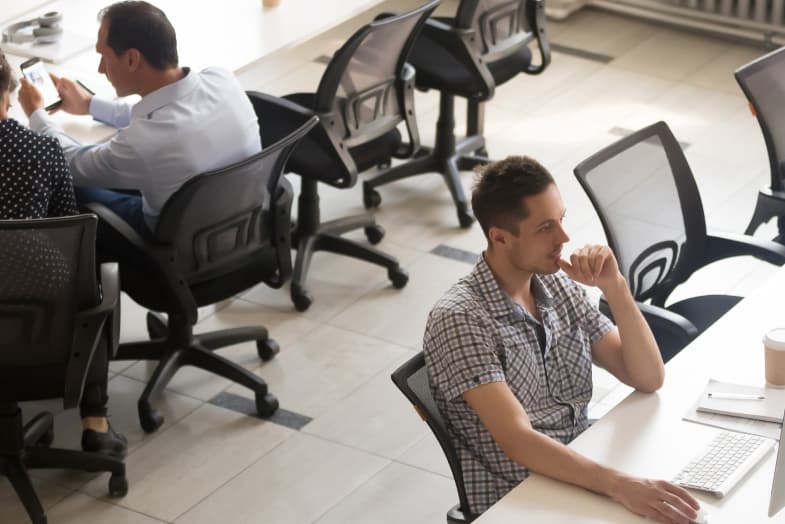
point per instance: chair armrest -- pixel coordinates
(726, 245)
(535, 13)
(89, 325)
(176, 289)
(110, 303)
(665, 325)
(406, 93)
(458, 41)
(282, 229)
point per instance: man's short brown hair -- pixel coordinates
(499, 190)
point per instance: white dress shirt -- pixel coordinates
(199, 123)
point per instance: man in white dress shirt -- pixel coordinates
(186, 122)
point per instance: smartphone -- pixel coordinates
(35, 72)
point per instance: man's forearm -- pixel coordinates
(42, 123)
(640, 354)
(541, 454)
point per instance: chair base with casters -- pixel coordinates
(448, 157)
(27, 447)
(770, 204)
(174, 345)
(312, 235)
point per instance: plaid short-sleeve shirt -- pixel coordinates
(477, 335)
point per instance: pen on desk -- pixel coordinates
(735, 396)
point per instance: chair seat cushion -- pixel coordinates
(440, 68)
(315, 158)
(704, 310)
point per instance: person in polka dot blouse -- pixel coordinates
(35, 182)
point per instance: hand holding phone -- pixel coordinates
(35, 73)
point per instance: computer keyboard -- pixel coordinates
(724, 462)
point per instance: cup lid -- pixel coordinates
(775, 339)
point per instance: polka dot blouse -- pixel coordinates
(34, 177)
(34, 183)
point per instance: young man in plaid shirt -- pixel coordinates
(509, 350)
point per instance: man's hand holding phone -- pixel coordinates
(37, 90)
(43, 90)
(75, 96)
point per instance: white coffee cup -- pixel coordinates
(774, 347)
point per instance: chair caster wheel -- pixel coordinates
(302, 299)
(399, 277)
(118, 485)
(371, 197)
(267, 349)
(266, 405)
(150, 419)
(465, 219)
(374, 234)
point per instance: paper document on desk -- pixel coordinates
(757, 403)
(730, 422)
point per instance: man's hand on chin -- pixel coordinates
(592, 265)
(30, 97)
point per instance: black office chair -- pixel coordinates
(221, 233)
(763, 83)
(645, 195)
(365, 92)
(483, 46)
(412, 379)
(54, 315)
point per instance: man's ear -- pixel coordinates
(133, 59)
(497, 235)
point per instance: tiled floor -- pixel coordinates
(354, 451)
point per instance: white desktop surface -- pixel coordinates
(228, 33)
(646, 436)
(231, 33)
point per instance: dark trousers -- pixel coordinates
(109, 247)
(94, 396)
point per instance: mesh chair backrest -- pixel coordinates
(219, 222)
(361, 87)
(412, 379)
(47, 274)
(648, 203)
(763, 82)
(501, 26)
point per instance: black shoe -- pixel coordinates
(110, 443)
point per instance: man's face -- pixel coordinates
(114, 66)
(537, 247)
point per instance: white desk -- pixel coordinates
(229, 33)
(646, 436)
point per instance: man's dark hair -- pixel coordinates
(141, 26)
(7, 78)
(499, 190)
